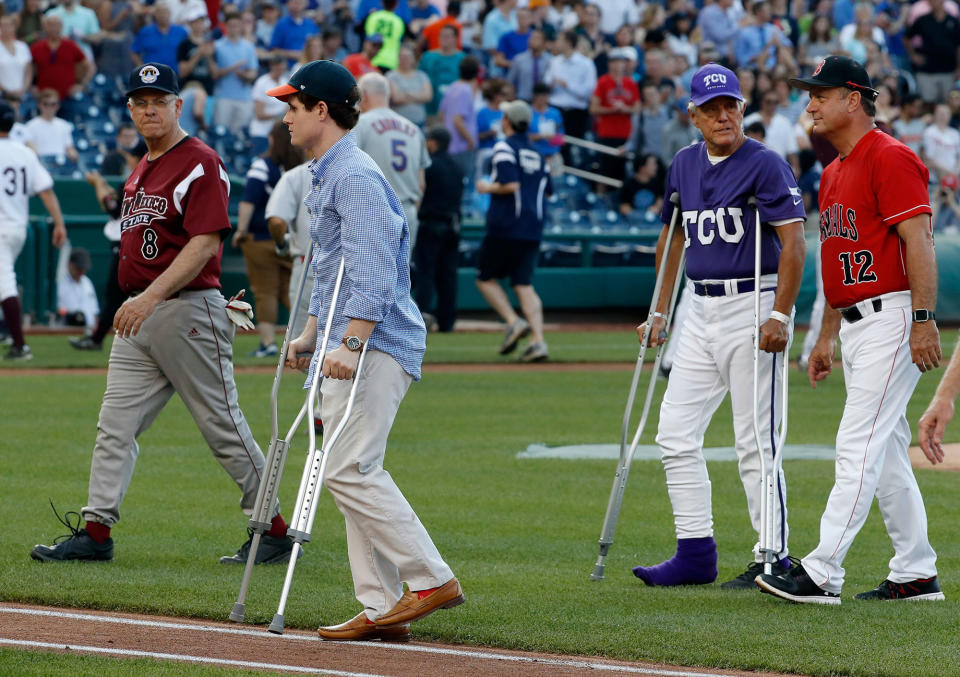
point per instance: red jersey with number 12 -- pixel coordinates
(167, 201)
(862, 198)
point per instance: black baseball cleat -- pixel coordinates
(920, 589)
(77, 545)
(796, 586)
(272, 550)
(746, 580)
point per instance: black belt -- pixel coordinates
(720, 288)
(853, 314)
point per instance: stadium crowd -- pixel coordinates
(613, 71)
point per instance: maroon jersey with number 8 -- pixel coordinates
(862, 198)
(167, 201)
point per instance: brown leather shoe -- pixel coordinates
(358, 629)
(411, 608)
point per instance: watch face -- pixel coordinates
(354, 343)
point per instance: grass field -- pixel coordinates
(520, 534)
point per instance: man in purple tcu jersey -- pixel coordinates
(715, 179)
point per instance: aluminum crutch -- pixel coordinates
(769, 469)
(311, 482)
(626, 454)
(260, 520)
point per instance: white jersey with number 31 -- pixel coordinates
(21, 175)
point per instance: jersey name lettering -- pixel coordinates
(836, 221)
(384, 125)
(725, 221)
(141, 209)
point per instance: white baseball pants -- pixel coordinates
(11, 244)
(714, 356)
(872, 450)
(386, 543)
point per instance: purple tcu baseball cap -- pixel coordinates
(711, 81)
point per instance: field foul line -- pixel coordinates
(181, 657)
(606, 667)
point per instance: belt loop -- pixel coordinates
(730, 287)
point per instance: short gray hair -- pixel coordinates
(374, 84)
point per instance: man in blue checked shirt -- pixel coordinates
(354, 214)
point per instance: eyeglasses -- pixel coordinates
(162, 102)
(49, 104)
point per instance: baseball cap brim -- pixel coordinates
(702, 99)
(282, 92)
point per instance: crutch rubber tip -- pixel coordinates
(239, 609)
(276, 627)
(597, 574)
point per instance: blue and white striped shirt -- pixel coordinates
(354, 213)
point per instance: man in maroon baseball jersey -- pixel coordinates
(880, 283)
(173, 333)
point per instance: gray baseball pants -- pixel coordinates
(185, 346)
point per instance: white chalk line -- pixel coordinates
(464, 653)
(206, 660)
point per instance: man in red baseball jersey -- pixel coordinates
(174, 332)
(880, 282)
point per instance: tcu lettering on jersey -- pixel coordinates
(727, 222)
(837, 221)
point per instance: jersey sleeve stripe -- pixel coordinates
(225, 178)
(913, 211)
(180, 191)
(504, 157)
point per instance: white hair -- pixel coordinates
(374, 84)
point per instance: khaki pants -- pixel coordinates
(386, 542)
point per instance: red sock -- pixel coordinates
(423, 593)
(278, 528)
(98, 532)
(11, 315)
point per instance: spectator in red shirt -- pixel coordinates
(614, 101)
(59, 62)
(359, 64)
(431, 32)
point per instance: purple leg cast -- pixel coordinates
(695, 563)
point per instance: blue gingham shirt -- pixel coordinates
(354, 213)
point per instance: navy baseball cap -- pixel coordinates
(838, 71)
(152, 75)
(713, 80)
(324, 80)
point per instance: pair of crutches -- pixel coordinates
(770, 472)
(311, 482)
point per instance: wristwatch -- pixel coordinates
(923, 315)
(353, 343)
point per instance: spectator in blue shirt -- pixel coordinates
(234, 70)
(421, 14)
(515, 41)
(546, 128)
(292, 31)
(158, 42)
(759, 44)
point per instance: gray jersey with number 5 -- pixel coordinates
(397, 146)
